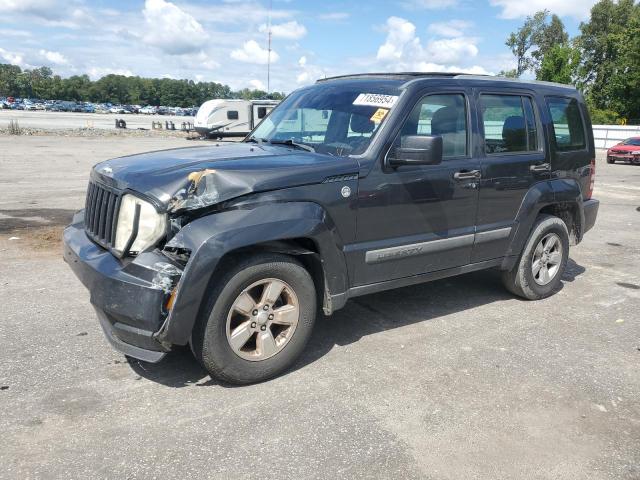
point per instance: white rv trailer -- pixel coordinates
(231, 118)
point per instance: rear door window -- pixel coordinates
(509, 124)
(568, 126)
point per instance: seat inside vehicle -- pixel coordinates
(514, 134)
(449, 123)
(364, 127)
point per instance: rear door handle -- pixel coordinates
(467, 175)
(541, 167)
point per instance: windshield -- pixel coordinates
(632, 141)
(334, 118)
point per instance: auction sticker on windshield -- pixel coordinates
(375, 100)
(379, 115)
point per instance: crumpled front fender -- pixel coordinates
(210, 238)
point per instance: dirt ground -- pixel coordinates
(447, 380)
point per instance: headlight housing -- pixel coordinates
(139, 225)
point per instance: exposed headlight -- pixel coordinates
(151, 225)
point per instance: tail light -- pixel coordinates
(592, 179)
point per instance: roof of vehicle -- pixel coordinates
(412, 76)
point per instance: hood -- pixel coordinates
(624, 148)
(196, 177)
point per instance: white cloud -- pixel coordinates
(42, 8)
(256, 84)
(451, 50)
(429, 4)
(401, 40)
(334, 16)
(436, 67)
(55, 13)
(242, 12)
(99, 72)
(12, 58)
(404, 51)
(517, 8)
(290, 30)
(9, 32)
(451, 28)
(309, 73)
(54, 57)
(171, 29)
(251, 52)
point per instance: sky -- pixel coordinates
(226, 40)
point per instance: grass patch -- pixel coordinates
(14, 128)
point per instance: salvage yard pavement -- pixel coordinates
(447, 380)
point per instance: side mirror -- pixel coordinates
(417, 150)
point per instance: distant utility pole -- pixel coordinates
(269, 49)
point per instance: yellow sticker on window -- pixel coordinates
(379, 115)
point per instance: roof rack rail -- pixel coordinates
(398, 75)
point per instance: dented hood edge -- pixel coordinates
(190, 179)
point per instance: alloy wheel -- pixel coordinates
(547, 258)
(262, 319)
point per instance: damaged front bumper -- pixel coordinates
(129, 296)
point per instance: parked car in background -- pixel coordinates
(149, 110)
(626, 151)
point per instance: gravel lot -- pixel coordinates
(448, 380)
(65, 120)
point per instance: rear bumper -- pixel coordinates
(129, 297)
(590, 213)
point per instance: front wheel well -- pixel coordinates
(305, 250)
(568, 213)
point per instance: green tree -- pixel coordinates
(43, 83)
(9, 80)
(522, 41)
(547, 38)
(534, 40)
(559, 64)
(606, 45)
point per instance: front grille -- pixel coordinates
(101, 214)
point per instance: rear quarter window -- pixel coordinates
(568, 125)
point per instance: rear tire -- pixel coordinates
(239, 342)
(539, 270)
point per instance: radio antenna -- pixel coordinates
(269, 49)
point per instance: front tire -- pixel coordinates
(539, 270)
(258, 320)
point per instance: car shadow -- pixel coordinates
(361, 316)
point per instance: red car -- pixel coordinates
(628, 151)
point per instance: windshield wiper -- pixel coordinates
(302, 146)
(255, 140)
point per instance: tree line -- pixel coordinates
(602, 61)
(119, 89)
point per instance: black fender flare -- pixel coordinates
(543, 194)
(212, 237)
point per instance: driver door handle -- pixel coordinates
(541, 167)
(467, 175)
